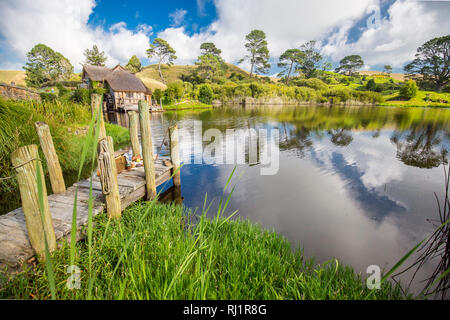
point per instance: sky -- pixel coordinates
(381, 31)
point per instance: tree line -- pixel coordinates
(430, 66)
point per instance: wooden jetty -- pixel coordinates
(21, 231)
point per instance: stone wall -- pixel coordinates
(18, 93)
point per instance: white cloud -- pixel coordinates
(410, 24)
(290, 23)
(177, 17)
(63, 25)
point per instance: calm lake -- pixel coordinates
(353, 183)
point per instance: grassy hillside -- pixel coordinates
(8, 76)
(395, 76)
(173, 73)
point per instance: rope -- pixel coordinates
(104, 166)
(16, 167)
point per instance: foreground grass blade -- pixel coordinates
(406, 256)
(88, 142)
(48, 260)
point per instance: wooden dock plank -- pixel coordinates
(15, 247)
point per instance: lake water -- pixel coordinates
(353, 183)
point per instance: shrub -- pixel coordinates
(371, 85)
(409, 90)
(62, 91)
(345, 81)
(157, 94)
(242, 91)
(175, 90)
(205, 94)
(256, 89)
(337, 95)
(305, 94)
(81, 95)
(367, 96)
(48, 96)
(311, 83)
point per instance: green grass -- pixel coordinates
(419, 100)
(187, 105)
(153, 252)
(17, 129)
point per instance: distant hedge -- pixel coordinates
(72, 84)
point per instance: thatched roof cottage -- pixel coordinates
(124, 88)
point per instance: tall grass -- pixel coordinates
(154, 252)
(17, 120)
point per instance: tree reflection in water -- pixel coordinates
(420, 146)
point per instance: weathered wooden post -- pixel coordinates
(108, 177)
(96, 104)
(147, 149)
(54, 168)
(133, 120)
(175, 154)
(40, 227)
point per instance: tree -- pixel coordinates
(431, 63)
(162, 50)
(289, 61)
(350, 64)
(258, 52)
(387, 69)
(205, 94)
(210, 65)
(409, 90)
(371, 85)
(312, 59)
(44, 65)
(94, 57)
(327, 66)
(134, 65)
(210, 48)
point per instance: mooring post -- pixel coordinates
(108, 177)
(133, 121)
(175, 154)
(39, 224)
(147, 149)
(48, 148)
(96, 104)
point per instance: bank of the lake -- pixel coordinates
(187, 105)
(156, 251)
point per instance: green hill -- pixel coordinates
(172, 73)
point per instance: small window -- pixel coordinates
(129, 95)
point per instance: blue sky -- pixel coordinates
(381, 31)
(153, 13)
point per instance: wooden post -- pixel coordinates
(96, 104)
(147, 149)
(108, 177)
(175, 154)
(54, 168)
(133, 120)
(39, 227)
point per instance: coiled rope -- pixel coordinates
(104, 166)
